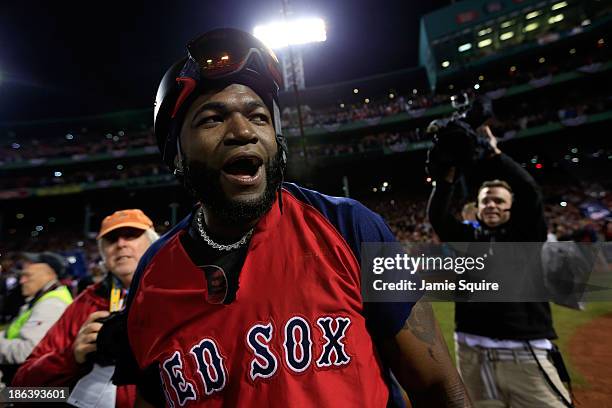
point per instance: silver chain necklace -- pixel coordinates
(215, 245)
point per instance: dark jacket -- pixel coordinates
(513, 321)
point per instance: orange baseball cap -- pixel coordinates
(125, 218)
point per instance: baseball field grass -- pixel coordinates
(566, 322)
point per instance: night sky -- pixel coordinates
(64, 58)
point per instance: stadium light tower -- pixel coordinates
(286, 37)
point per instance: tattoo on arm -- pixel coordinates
(431, 354)
(421, 323)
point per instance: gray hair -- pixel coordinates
(150, 233)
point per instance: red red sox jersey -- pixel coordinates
(297, 332)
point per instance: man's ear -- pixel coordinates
(50, 272)
(178, 166)
(102, 266)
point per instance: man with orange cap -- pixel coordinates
(66, 353)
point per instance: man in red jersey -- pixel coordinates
(255, 298)
(66, 354)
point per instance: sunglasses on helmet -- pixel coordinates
(223, 53)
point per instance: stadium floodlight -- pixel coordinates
(555, 19)
(464, 47)
(485, 43)
(445, 64)
(507, 24)
(531, 27)
(485, 31)
(558, 6)
(300, 31)
(507, 35)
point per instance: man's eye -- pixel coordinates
(210, 120)
(259, 118)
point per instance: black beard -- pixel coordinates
(204, 184)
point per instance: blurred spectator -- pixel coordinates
(469, 214)
(46, 301)
(96, 273)
(68, 351)
(11, 298)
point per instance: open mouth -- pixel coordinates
(244, 166)
(243, 170)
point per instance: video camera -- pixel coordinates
(456, 141)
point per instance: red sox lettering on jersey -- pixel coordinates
(298, 352)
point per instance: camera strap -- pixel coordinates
(548, 380)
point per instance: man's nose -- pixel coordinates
(239, 130)
(121, 241)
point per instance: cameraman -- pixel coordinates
(496, 342)
(67, 352)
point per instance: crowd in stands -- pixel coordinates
(378, 108)
(79, 175)
(89, 142)
(538, 73)
(573, 58)
(565, 211)
(505, 127)
(566, 216)
(74, 145)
